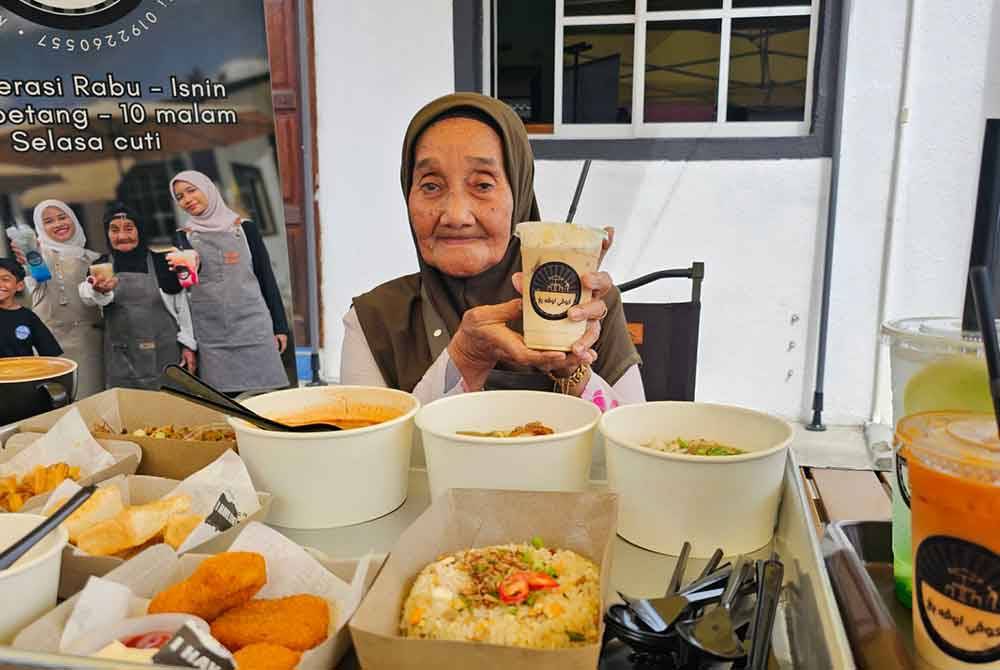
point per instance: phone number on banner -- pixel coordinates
(108, 40)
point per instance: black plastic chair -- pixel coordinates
(666, 335)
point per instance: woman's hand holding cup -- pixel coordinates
(18, 253)
(483, 339)
(593, 312)
(102, 284)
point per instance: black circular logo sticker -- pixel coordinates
(71, 14)
(957, 589)
(555, 287)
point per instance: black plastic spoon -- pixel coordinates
(11, 554)
(197, 391)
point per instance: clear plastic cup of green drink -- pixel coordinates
(935, 366)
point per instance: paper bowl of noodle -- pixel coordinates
(513, 440)
(330, 478)
(698, 472)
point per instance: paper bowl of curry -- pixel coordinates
(335, 478)
(472, 440)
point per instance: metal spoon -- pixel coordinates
(770, 574)
(649, 613)
(671, 608)
(715, 633)
(11, 554)
(645, 612)
(197, 391)
(641, 606)
(678, 576)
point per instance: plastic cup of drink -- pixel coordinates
(189, 257)
(554, 257)
(936, 366)
(103, 271)
(954, 472)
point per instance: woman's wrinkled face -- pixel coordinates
(57, 224)
(190, 198)
(460, 201)
(123, 234)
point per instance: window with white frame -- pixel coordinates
(654, 68)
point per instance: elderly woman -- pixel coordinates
(236, 307)
(467, 176)
(57, 302)
(145, 327)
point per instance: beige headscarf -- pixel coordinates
(395, 316)
(217, 217)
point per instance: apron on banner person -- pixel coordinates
(234, 330)
(76, 326)
(140, 336)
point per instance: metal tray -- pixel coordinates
(858, 556)
(808, 632)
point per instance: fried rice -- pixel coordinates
(462, 596)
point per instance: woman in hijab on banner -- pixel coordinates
(455, 326)
(146, 327)
(57, 302)
(236, 309)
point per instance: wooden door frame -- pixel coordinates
(283, 18)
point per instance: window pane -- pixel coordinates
(682, 71)
(768, 61)
(526, 57)
(597, 74)
(739, 4)
(681, 5)
(596, 7)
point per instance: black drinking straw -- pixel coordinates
(579, 191)
(982, 292)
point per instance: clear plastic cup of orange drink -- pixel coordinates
(954, 472)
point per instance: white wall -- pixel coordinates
(873, 67)
(758, 225)
(926, 250)
(377, 62)
(753, 223)
(992, 102)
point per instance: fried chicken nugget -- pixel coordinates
(263, 656)
(219, 583)
(298, 622)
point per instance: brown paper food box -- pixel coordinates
(174, 459)
(127, 456)
(77, 568)
(467, 518)
(155, 569)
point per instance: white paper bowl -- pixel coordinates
(329, 479)
(29, 588)
(709, 501)
(558, 462)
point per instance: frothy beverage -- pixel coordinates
(554, 257)
(102, 271)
